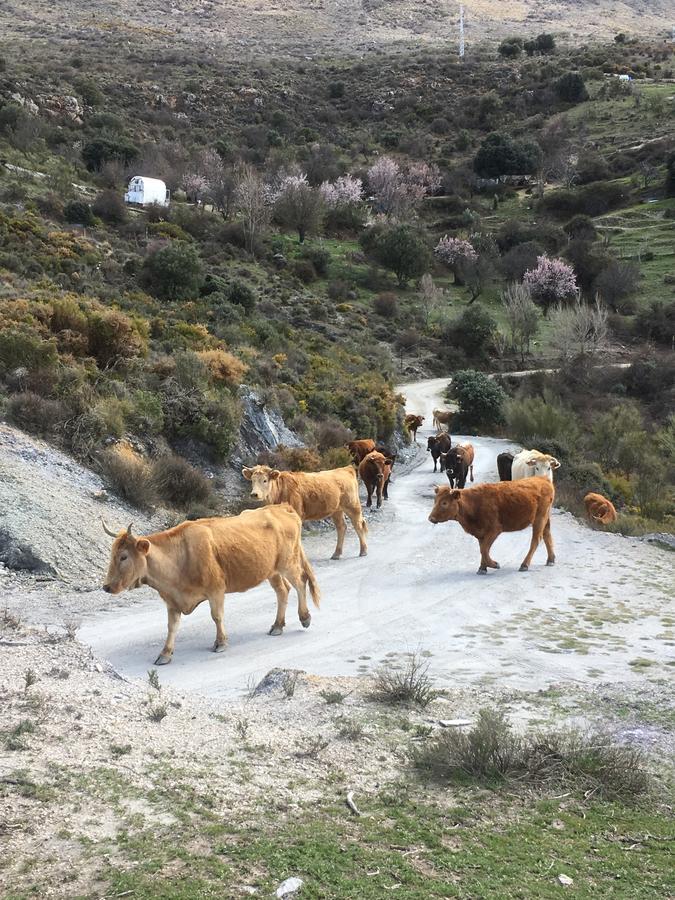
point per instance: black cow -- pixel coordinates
(438, 444)
(458, 464)
(504, 463)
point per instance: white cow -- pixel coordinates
(532, 462)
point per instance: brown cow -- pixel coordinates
(599, 509)
(314, 495)
(443, 417)
(437, 445)
(412, 423)
(487, 510)
(375, 471)
(360, 449)
(205, 559)
(458, 462)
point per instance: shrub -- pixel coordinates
(223, 367)
(173, 272)
(240, 293)
(336, 90)
(303, 270)
(617, 283)
(500, 154)
(402, 250)
(20, 346)
(472, 330)
(98, 152)
(409, 685)
(543, 416)
(594, 199)
(656, 322)
(511, 47)
(480, 399)
(128, 475)
(78, 212)
(519, 259)
(178, 483)
(114, 336)
(589, 762)
(319, 258)
(386, 305)
(331, 433)
(581, 228)
(571, 88)
(36, 414)
(110, 207)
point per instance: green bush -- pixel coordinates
(240, 293)
(78, 212)
(571, 88)
(173, 272)
(110, 207)
(401, 249)
(545, 417)
(178, 483)
(480, 399)
(473, 330)
(98, 152)
(594, 199)
(22, 347)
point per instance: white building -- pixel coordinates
(144, 191)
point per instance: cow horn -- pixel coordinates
(107, 530)
(129, 534)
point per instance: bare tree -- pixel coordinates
(298, 205)
(579, 328)
(430, 297)
(253, 205)
(522, 316)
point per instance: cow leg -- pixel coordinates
(471, 470)
(369, 489)
(360, 527)
(486, 561)
(217, 605)
(281, 589)
(341, 528)
(379, 492)
(164, 657)
(548, 540)
(537, 531)
(294, 575)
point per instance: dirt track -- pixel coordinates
(601, 608)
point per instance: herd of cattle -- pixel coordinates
(207, 558)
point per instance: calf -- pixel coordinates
(599, 509)
(532, 462)
(375, 471)
(360, 449)
(437, 445)
(488, 510)
(206, 559)
(504, 464)
(413, 423)
(458, 463)
(314, 495)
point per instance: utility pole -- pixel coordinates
(461, 31)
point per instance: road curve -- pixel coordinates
(583, 620)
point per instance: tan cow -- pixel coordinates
(375, 471)
(413, 423)
(443, 417)
(314, 495)
(207, 558)
(360, 449)
(487, 510)
(599, 509)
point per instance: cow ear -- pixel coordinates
(531, 462)
(247, 473)
(554, 463)
(143, 546)
(437, 489)
(274, 474)
(455, 495)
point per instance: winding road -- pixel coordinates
(587, 619)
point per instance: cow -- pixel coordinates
(599, 509)
(532, 462)
(359, 449)
(438, 444)
(442, 417)
(390, 459)
(504, 464)
(487, 510)
(314, 495)
(458, 462)
(412, 423)
(207, 558)
(375, 470)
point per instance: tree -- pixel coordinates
(298, 205)
(402, 250)
(522, 317)
(571, 88)
(102, 150)
(110, 207)
(500, 154)
(253, 202)
(617, 282)
(173, 272)
(511, 47)
(343, 199)
(454, 252)
(480, 399)
(579, 329)
(472, 330)
(397, 192)
(543, 43)
(430, 297)
(553, 281)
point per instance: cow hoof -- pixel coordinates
(276, 629)
(524, 568)
(482, 571)
(219, 648)
(550, 562)
(163, 660)
(363, 553)
(495, 565)
(335, 556)
(306, 622)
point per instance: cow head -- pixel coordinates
(261, 477)
(431, 442)
(446, 505)
(450, 462)
(380, 462)
(542, 464)
(128, 561)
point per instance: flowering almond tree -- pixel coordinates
(553, 281)
(395, 192)
(345, 191)
(455, 252)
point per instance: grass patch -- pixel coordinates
(492, 753)
(409, 685)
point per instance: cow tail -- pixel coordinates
(308, 571)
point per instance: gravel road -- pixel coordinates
(600, 615)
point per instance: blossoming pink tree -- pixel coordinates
(396, 191)
(454, 253)
(552, 281)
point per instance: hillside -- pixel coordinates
(329, 27)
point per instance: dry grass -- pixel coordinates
(408, 685)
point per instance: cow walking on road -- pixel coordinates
(442, 417)
(488, 510)
(333, 493)
(413, 423)
(207, 558)
(458, 462)
(438, 445)
(530, 463)
(375, 471)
